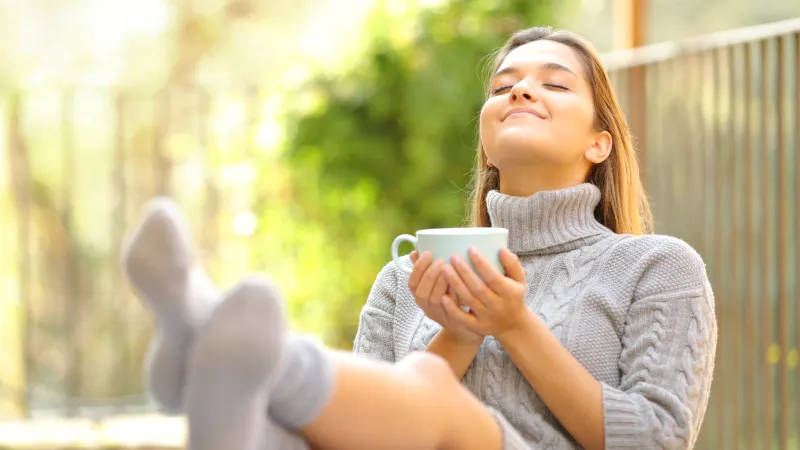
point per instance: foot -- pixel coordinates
(235, 362)
(160, 262)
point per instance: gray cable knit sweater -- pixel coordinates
(637, 312)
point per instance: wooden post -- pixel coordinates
(629, 28)
(629, 23)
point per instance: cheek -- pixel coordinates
(487, 123)
(574, 115)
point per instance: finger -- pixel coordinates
(491, 276)
(428, 281)
(475, 285)
(436, 310)
(439, 288)
(419, 270)
(513, 267)
(414, 256)
(465, 297)
(456, 315)
(450, 291)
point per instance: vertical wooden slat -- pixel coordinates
(637, 114)
(624, 81)
(674, 143)
(677, 177)
(751, 359)
(734, 226)
(715, 203)
(766, 267)
(654, 157)
(797, 225)
(656, 135)
(783, 301)
(696, 141)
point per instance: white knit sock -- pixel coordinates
(234, 364)
(160, 261)
(305, 385)
(161, 264)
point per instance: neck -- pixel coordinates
(526, 180)
(550, 221)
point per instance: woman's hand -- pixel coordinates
(429, 286)
(497, 302)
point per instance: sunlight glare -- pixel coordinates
(244, 224)
(228, 120)
(236, 175)
(269, 135)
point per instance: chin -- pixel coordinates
(518, 145)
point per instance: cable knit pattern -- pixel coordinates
(375, 331)
(577, 266)
(425, 333)
(637, 312)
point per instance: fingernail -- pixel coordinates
(456, 259)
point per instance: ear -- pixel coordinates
(489, 163)
(600, 149)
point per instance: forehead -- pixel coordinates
(540, 52)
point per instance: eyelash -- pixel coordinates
(556, 86)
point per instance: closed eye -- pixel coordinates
(500, 89)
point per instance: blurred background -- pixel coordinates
(300, 137)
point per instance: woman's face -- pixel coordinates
(541, 112)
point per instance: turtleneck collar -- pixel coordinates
(548, 221)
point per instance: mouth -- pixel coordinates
(522, 112)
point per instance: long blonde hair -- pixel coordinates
(623, 206)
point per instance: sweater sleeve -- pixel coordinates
(374, 337)
(667, 359)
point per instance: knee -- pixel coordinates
(430, 368)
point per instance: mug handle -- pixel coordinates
(407, 268)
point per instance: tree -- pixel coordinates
(388, 145)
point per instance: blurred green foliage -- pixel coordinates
(308, 179)
(388, 146)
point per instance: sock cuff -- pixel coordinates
(305, 386)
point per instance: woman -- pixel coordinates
(597, 335)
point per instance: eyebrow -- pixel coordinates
(551, 66)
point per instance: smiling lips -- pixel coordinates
(522, 112)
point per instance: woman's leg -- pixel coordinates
(338, 400)
(226, 388)
(414, 404)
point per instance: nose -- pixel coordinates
(522, 91)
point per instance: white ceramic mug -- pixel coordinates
(446, 242)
